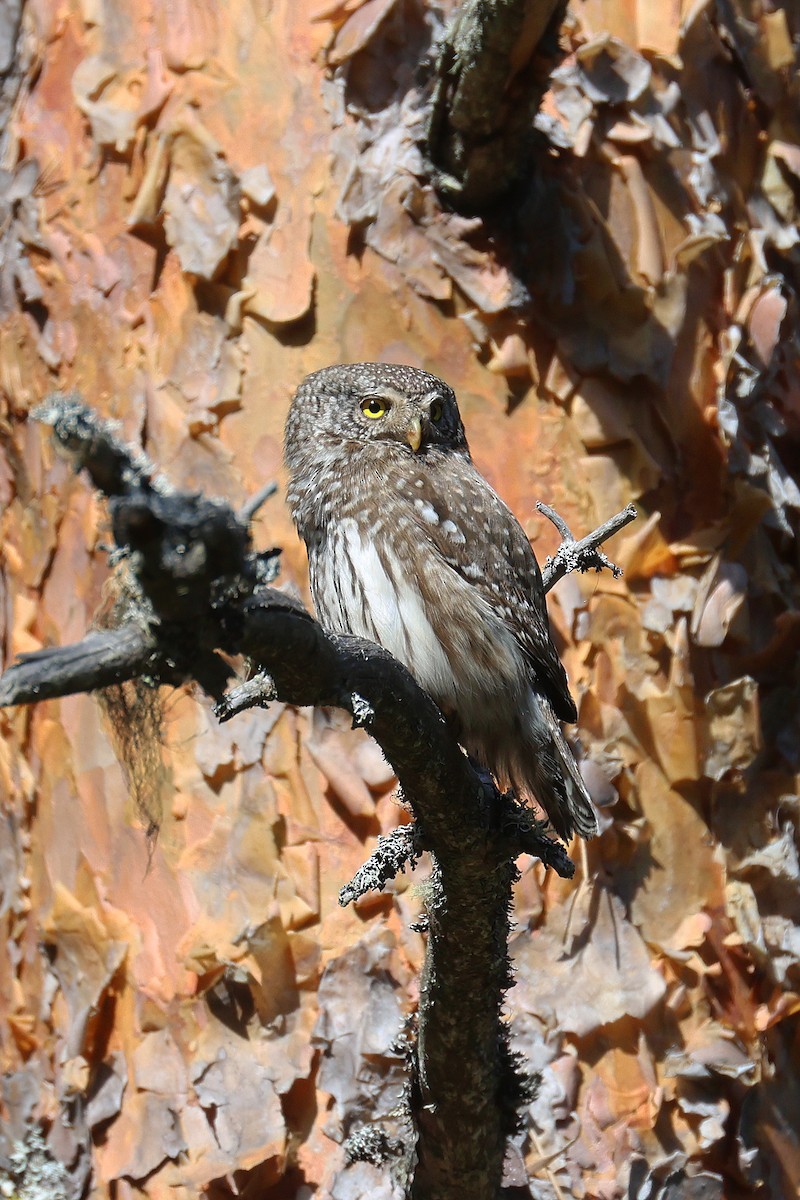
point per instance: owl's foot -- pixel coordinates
(490, 783)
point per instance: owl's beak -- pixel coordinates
(414, 434)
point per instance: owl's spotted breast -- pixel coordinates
(410, 547)
(430, 620)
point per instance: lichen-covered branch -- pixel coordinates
(492, 71)
(256, 692)
(393, 853)
(584, 555)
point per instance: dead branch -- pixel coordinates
(103, 657)
(253, 693)
(583, 555)
(199, 588)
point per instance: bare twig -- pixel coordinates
(252, 693)
(559, 522)
(583, 555)
(251, 506)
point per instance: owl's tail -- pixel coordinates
(550, 772)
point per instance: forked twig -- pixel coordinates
(582, 555)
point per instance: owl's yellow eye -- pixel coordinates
(374, 407)
(437, 410)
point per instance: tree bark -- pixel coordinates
(492, 72)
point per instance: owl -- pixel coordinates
(409, 546)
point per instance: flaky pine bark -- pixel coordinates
(197, 587)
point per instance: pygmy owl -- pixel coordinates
(409, 546)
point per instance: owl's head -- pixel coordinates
(381, 403)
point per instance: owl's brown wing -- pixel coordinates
(481, 539)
